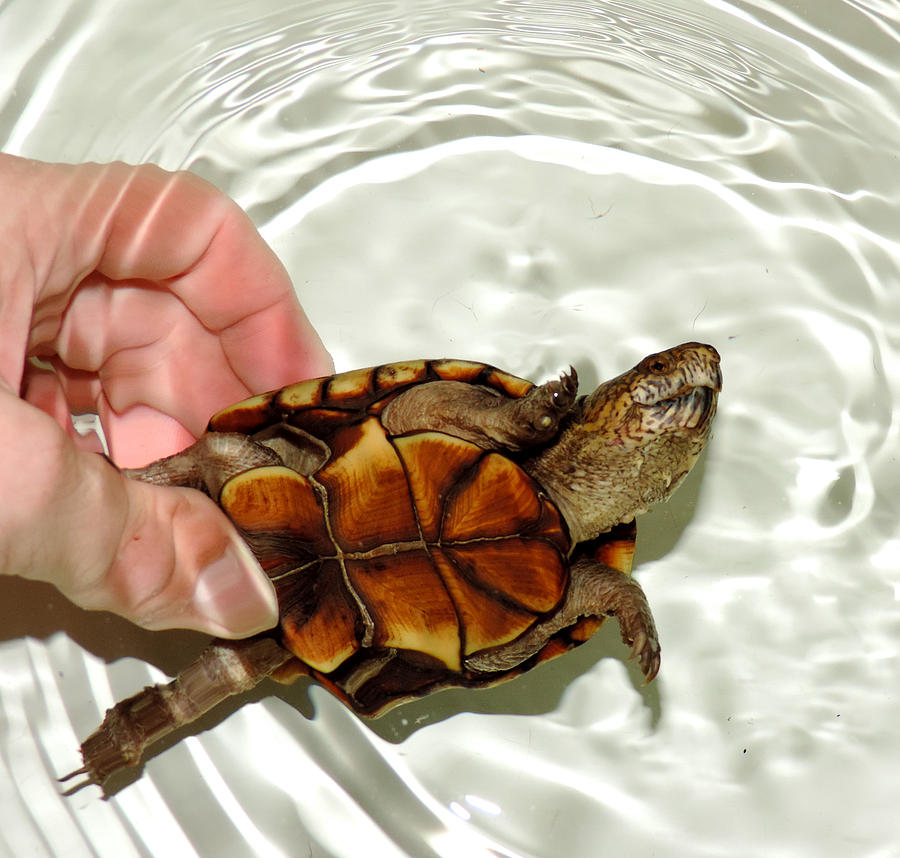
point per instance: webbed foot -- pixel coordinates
(487, 419)
(538, 414)
(600, 590)
(639, 632)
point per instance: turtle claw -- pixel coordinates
(598, 586)
(646, 651)
(639, 634)
(82, 771)
(544, 407)
(89, 780)
(564, 391)
(640, 641)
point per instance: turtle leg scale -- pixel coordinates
(598, 590)
(479, 415)
(131, 726)
(208, 464)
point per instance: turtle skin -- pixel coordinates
(401, 514)
(403, 558)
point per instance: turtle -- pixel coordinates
(427, 524)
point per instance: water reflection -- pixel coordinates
(536, 184)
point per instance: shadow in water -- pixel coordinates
(34, 609)
(660, 529)
(534, 693)
(38, 610)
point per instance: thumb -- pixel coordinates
(162, 557)
(180, 564)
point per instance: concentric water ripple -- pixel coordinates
(532, 184)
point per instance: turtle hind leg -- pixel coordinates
(487, 419)
(224, 668)
(595, 590)
(207, 464)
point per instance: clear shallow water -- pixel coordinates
(530, 184)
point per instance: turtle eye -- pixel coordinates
(658, 365)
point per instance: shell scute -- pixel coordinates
(481, 373)
(551, 527)
(323, 422)
(391, 376)
(369, 503)
(320, 405)
(528, 573)
(459, 370)
(485, 620)
(246, 416)
(303, 394)
(277, 499)
(319, 617)
(353, 389)
(433, 463)
(510, 384)
(496, 498)
(616, 548)
(412, 607)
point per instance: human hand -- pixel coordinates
(151, 300)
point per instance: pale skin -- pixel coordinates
(155, 302)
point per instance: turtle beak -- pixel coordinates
(700, 407)
(709, 385)
(713, 365)
(705, 373)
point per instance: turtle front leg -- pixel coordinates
(482, 416)
(595, 590)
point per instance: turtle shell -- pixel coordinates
(321, 405)
(399, 557)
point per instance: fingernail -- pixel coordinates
(234, 596)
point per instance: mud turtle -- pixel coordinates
(429, 524)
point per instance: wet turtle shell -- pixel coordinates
(398, 560)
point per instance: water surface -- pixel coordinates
(532, 184)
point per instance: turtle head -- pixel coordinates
(633, 440)
(667, 401)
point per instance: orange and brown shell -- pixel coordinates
(421, 544)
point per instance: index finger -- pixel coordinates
(178, 230)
